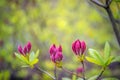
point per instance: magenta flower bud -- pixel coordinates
(20, 50)
(58, 56)
(83, 47)
(52, 49)
(60, 48)
(79, 70)
(52, 58)
(28, 47)
(76, 46)
(55, 53)
(25, 49)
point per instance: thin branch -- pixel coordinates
(117, 21)
(103, 69)
(55, 72)
(108, 2)
(110, 15)
(84, 70)
(70, 72)
(41, 70)
(98, 3)
(116, 31)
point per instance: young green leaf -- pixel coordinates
(74, 77)
(110, 79)
(107, 50)
(110, 59)
(80, 79)
(93, 77)
(65, 78)
(116, 59)
(31, 56)
(94, 54)
(92, 60)
(37, 54)
(22, 58)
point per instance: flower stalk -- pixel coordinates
(103, 69)
(55, 72)
(83, 73)
(45, 72)
(70, 72)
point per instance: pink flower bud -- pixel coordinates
(79, 70)
(76, 47)
(52, 49)
(60, 48)
(55, 53)
(58, 56)
(25, 49)
(52, 57)
(28, 47)
(83, 47)
(20, 50)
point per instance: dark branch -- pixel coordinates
(98, 3)
(110, 15)
(116, 31)
(117, 21)
(108, 2)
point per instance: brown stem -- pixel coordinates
(100, 74)
(83, 73)
(45, 72)
(98, 3)
(55, 72)
(116, 31)
(108, 10)
(70, 72)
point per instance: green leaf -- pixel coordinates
(65, 78)
(37, 54)
(74, 77)
(92, 60)
(22, 58)
(80, 79)
(25, 66)
(116, 59)
(117, 0)
(93, 77)
(34, 61)
(107, 50)
(110, 59)
(94, 54)
(110, 79)
(31, 56)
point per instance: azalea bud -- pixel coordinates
(52, 58)
(76, 46)
(60, 48)
(79, 70)
(58, 56)
(52, 49)
(25, 49)
(20, 50)
(28, 47)
(83, 47)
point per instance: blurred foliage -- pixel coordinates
(44, 22)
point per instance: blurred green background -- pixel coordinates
(44, 22)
